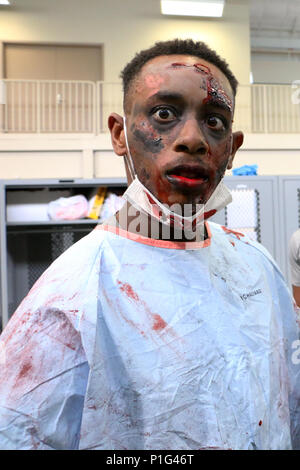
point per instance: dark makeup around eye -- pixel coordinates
(214, 103)
(148, 137)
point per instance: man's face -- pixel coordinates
(179, 118)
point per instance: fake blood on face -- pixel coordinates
(214, 89)
(182, 134)
(209, 214)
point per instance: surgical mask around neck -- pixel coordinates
(142, 199)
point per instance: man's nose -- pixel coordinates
(191, 139)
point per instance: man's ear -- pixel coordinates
(237, 141)
(116, 127)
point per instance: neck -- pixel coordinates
(137, 222)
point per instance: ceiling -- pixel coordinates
(275, 17)
(275, 26)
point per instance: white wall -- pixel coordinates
(125, 27)
(82, 156)
(275, 154)
(270, 162)
(274, 67)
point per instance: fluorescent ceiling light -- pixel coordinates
(192, 7)
(4, 2)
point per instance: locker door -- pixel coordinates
(264, 190)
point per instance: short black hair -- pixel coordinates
(175, 46)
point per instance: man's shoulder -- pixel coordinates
(241, 242)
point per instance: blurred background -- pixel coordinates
(60, 62)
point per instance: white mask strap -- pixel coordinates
(128, 155)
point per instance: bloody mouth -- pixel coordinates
(187, 177)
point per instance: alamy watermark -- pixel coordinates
(173, 222)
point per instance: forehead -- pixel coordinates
(162, 71)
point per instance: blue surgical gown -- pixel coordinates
(131, 343)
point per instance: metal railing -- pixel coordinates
(273, 109)
(47, 106)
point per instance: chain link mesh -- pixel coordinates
(44, 248)
(242, 218)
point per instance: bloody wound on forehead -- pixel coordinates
(214, 89)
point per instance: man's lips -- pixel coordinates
(187, 176)
(186, 180)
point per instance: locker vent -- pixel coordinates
(243, 213)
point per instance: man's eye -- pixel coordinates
(215, 123)
(164, 115)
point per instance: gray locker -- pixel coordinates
(28, 247)
(265, 189)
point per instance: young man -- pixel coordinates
(160, 329)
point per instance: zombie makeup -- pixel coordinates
(215, 92)
(180, 129)
(150, 139)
